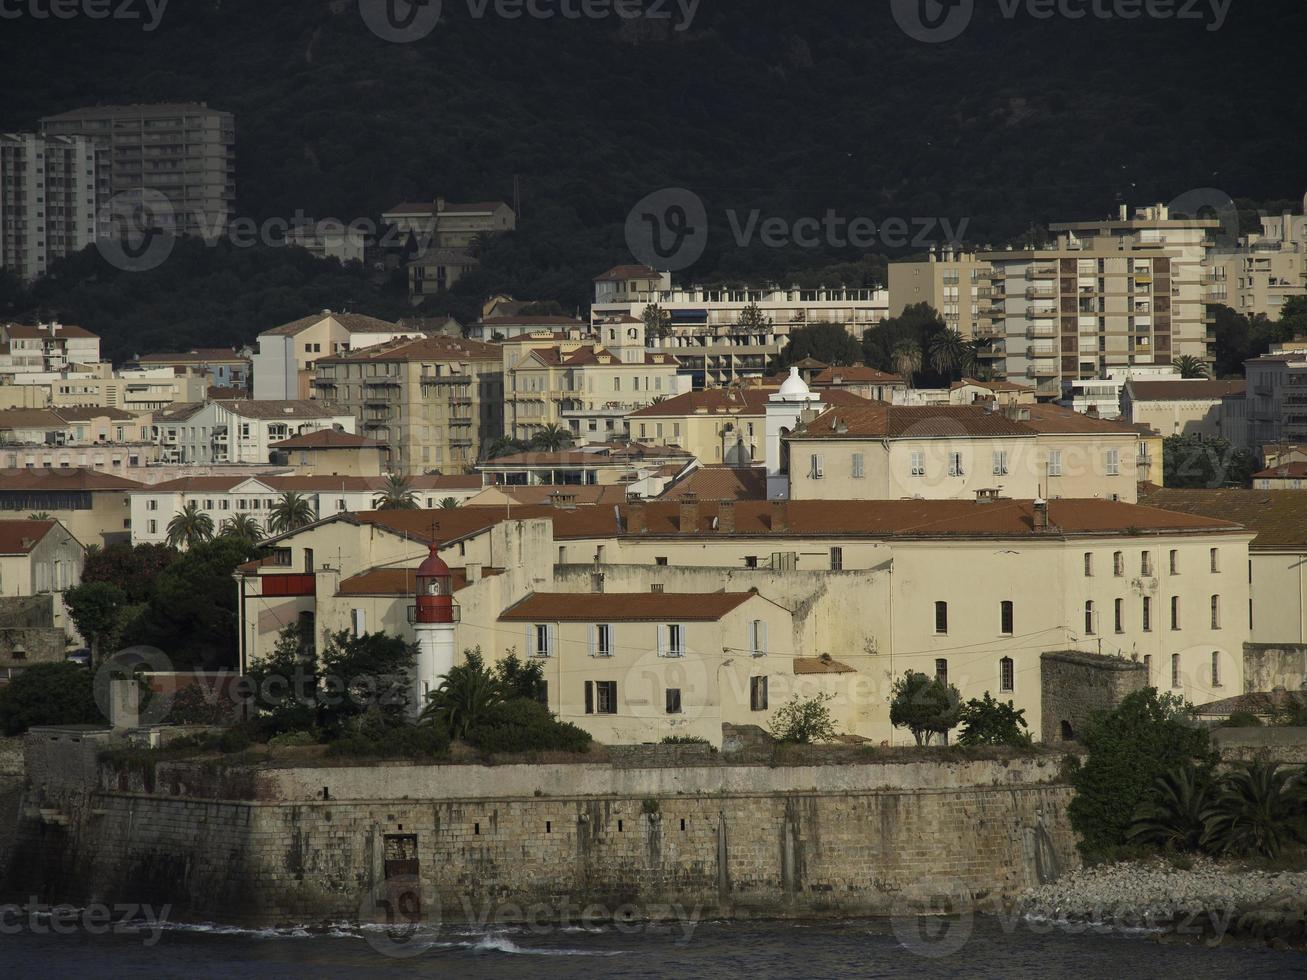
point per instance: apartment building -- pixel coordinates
(103, 439)
(434, 402)
(1264, 270)
(51, 192)
(704, 331)
(27, 349)
(186, 152)
(643, 470)
(953, 282)
(1108, 294)
(134, 391)
(586, 388)
(329, 240)
(93, 506)
(442, 234)
(331, 452)
(1277, 396)
(283, 364)
(1102, 396)
(220, 366)
(511, 326)
(240, 431)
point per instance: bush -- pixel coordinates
(804, 721)
(521, 725)
(683, 740)
(293, 738)
(925, 706)
(49, 694)
(1242, 719)
(234, 740)
(200, 704)
(417, 742)
(986, 721)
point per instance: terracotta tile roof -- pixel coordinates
(551, 459)
(854, 375)
(1279, 517)
(399, 581)
(1186, 390)
(87, 414)
(1283, 472)
(591, 607)
(721, 483)
(352, 322)
(309, 483)
(821, 665)
(1052, 419)
(30, 418)
(622, 272)
(20, 537)
(23, 331)
(429, 207)
(991, 385)
(326, 439)
(420, 349)
(451, 525)
(734, 401)
(881, 420)
(64, 479)
(248, 408)
(532, 321)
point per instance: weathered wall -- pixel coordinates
(1287, 745)
(724, 839)
(1267, 666)
(1075, 684)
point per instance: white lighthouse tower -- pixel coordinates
(434, 625)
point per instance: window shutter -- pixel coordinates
(662, 640)
(594, 638)
(529, 647)
(552, 632)
(762, 637)
(589, 697)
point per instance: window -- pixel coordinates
(750, 561)
(941, 671)
(1146, 563)
(1089, 564)
(955, 465)
(601, 640)
(1006, 675)
(1216, 612)
(358, 621)
(154, 527)
(757, 693)
(540, 639)
(1175, 670)
(1148, 667)
(1175, 612)
(859, 466)
(1005, 617)
(1118, 563)
(601, 697)
(671, 640)
(837, 559)
(1112, 462)
(818, 468)
(941, 617)
(1148, 614)
(1215, 556)
(152, 504)
(918, 464)
(758, 638)
(662, 560)
(1175, 562)
(1000, 463)
(1089, 618)
(1216, 668)
(673, 700)
(1055, 463)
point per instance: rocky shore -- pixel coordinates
(1206, 899)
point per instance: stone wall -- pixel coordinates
(27, 611)
(1287, 745)
(724, 840)
(1267, 666)
(1075, 684)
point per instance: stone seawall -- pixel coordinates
(728, 840)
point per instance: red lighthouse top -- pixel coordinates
(435, 593)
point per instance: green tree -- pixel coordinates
(1172, 815)
(464, 696)
(951, 355)
(520, 680)
(505, 446)
(829, 343)
(804, 721)
(291, 512)
(133, 568)
(1261, 806)
(1129, 749)
(96, 608)
(1205, 462)
(372, 671)
(242, 526)
(888, 344)
(1190, 367)
(657, 324)
(396, 494)
(49, 694)
(752, 320)
(190, 526)
(551, 438)
(285, 686)
(925, 706)
(449, 503)
(907, 360)
(987, 721)
(43, 515)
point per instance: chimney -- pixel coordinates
(635, 517)
(780, 516)
(726, 516)
(440, 204)
(689, 523)
(472, 571)
(1041, 514)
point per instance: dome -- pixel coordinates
(434, 566)
(795, 387)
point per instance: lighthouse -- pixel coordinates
(433, 623)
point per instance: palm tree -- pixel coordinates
(1258, 810)
(551, 439)
(950, 353)
(1174, 817)
(463, 697)
(396, 494)
(503, 446)
(907, 359)
(42, 515)
(1190, 367)
(190, 527)
(449, 503)
(241, 526)
(291, 511)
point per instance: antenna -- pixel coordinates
(517, 197)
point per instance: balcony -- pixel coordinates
(1041, 330)
(1033, 293)
(1042, 312)
(1042, 369)
(1041, 350)
(1042, 272)
(457, 379)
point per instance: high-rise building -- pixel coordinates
(1264, 270)
(186, 152)
(51, 188)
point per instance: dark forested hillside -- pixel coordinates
(794, 108)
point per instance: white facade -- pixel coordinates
(785, 409)
(241, 432)
(1102, 396)
(51, 189)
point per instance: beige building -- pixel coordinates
(1282, 476)
(104, 439)
(1277, 396)
(643, 470)
(45, 348)
(241, 430)
(38, 557)
(1265, 270)
(1189, 407)
(886, 452)
(330, 452)
(219, 366)
(433, 402)
(93, 506)
(136, 391)
(283, 365)
(954, 283)
(1108, 294)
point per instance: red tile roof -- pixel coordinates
(590, 607)
(24, 331)
(623, 272)
(854, 375)
(352, 322)
(821, 665)
(1284, 471)
(1279, 517)
(64, 479)
(735, 401)
(721, 483)
(398, 581)
(420, 349)
(326, 439)
(881, 420)
(20, 537)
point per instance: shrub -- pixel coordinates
(804, 721)
(925, 706)
(986, 721)
(1242, 719)
(683, 740)
(49, 694)
(200, 704)
(416, 742)
(521, 725)
(234, 740)
(294, 738)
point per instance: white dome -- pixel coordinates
(795, 387)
